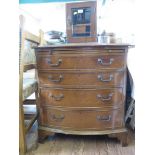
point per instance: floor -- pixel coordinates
(60, 144)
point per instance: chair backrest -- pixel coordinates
(26, 36)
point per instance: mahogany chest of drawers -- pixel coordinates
(82, 89)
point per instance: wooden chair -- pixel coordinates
(27, 85)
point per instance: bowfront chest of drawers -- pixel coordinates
(82, 89)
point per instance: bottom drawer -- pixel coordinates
(82, 119)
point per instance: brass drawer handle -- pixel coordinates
(101, 78)
(105, 98)
(55, 65)
(57, 98)
(103, 118)
(101, 61)
(50, 78)
(58, 117)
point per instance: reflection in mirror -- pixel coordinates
(81, 21)
(81, 15)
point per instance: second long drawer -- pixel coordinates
(96, 78)
(113, 97)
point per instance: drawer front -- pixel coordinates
(81, 61)
(82, 79)
(82, 97)
(82, 119)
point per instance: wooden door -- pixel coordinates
(81, 22)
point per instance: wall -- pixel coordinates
(31, 23)
(114, 16)
(117, 16)
(50, 15)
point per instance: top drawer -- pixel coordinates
(81, 61)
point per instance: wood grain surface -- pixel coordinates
(82, 119)
(87, 60)
(82, 97)
(64, 78)
(60, 144)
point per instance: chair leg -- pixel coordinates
(22, 140)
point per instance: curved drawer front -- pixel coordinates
(82, 119)
(82, 79)
(82, 97)
(81, 61)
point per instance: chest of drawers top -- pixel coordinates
(81, 47)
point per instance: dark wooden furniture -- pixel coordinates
(82, 89)
(81, 22)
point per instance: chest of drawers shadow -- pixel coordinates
(82, 89)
